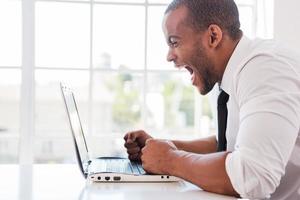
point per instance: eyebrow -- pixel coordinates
(173, 36)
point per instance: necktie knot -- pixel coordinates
(223, 98)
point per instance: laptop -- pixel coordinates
(103, 169)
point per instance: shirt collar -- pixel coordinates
(240, 52)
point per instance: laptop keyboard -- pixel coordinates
(117, 166)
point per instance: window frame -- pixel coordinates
(27, 99)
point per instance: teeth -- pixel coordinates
(189, 69)
(182, 66)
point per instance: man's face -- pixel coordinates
(187, 51)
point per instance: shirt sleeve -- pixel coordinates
(267, 91)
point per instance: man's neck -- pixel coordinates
(225, 53)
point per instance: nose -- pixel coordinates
(171, 56)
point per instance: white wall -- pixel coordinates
(287, 22)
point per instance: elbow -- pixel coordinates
(252, 180)
(260, 186)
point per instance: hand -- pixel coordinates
(157, 156)
(134, 142)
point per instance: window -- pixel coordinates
(10, 79)
(113, 54)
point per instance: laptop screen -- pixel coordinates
(75, 123)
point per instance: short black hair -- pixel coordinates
(202, 13)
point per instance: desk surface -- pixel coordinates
(64, 182)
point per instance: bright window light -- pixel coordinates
(113, 54)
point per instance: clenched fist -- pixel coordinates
(134, 142)
(158, 156)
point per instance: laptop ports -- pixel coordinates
(107, 178)
(99, 178)
(117, 178)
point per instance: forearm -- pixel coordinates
(206, 171)
(203, 146)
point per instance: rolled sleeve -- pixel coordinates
(256, 166)
(268, 127)
(262, 79)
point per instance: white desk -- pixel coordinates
(64, 182)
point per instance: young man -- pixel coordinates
(256, 152)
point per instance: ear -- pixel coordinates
(215, 35)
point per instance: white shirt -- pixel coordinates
(263, 83)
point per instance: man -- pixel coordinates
(258, 157)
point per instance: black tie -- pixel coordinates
(222, 120)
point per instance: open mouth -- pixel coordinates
(192, 74)
(189, 69)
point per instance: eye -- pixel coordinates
(173, 42)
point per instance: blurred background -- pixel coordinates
(113, 54)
